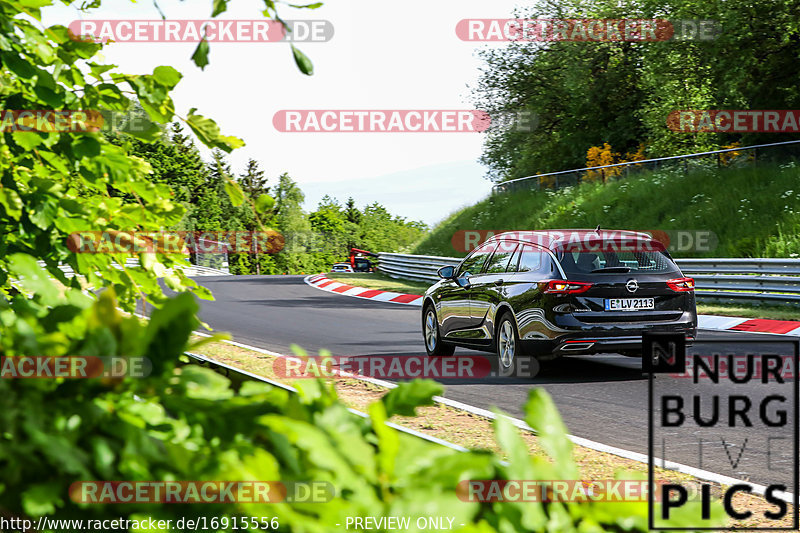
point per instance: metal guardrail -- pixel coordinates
(556, 180)
(756, 280)
(414, 267)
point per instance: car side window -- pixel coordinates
(530, 259)
(548, 267)
(500, 259)
(514, 261)
(473, 264)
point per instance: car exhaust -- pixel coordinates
(576, 345)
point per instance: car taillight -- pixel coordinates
(559, 286)
(681, 284)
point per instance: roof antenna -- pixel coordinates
(597, 229)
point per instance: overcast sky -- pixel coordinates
(383, 55)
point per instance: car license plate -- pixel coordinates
(629, 304)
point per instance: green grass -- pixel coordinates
(376, 280)
(754, 212)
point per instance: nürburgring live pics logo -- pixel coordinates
(739, 411)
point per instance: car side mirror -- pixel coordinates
(447, 272)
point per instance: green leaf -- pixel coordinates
(34, 4)
(264, 203)
(18, 66)
(55, 161)
(406, 397)
(167, 76)
(220, 6)
(27, 139)
(86, 147)
(303, 63)
(200, 56)
(98, 70)
(42, 499)
(521, 466)
(542, 415)
(388, 441)
(208, 133)
(235, 192)
(9, 198)
(33, 278)
(307, 6)
(43, 214)
(204, 383)
(49, 96)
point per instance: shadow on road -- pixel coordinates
(326, 302)
(602, 369)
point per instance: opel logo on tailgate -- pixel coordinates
(632, 285)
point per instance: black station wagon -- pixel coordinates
(558, 292)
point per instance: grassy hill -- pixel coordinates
(754, 212)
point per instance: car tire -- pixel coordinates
(506, 340)
(430, 335)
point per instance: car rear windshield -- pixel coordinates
(599, 262)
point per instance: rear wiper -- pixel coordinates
(621, 269)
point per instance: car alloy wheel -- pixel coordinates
(431, 335)
(431, 331)
(506, 343)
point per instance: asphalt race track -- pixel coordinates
(602, 398)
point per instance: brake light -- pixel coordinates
(560, 286)
(681, 284)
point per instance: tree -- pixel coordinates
(351, 212)
(253, 181)
(293, 223)
(585, 94)
(328, 218)
(380, 231)
(175, 162)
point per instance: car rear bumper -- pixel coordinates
(586, 339)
